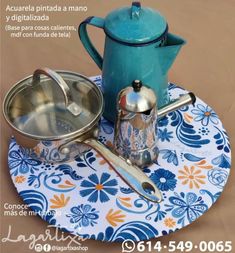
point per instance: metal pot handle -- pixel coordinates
(69, 103)
(131, 174)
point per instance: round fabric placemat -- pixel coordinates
(87, 198)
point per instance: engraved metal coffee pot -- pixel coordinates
(136, 123)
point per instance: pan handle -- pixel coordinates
(131, 174)
(69, 103)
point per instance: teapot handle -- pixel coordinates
(82, 31)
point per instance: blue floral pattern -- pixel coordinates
(218, 177)
(162, 122)
(83, 215)
(99, 188)
(136, 230)
(222, 141)
(86, 197)
(205, 114)
(20, 162)
(203, 131)
(164, 179)
(186, 132)
(186, 206)
(165, 135)
(86, 160)
(170, 156)
(222, 161)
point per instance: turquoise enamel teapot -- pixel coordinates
(137, 46)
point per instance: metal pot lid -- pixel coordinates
(135, 24)
(137, 98)
(51, 105)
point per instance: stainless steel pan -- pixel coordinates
(55, 115)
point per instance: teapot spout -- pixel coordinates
(168, 52)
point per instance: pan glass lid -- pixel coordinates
(38, 108)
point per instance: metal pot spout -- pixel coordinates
(168, 52)
(183, 100)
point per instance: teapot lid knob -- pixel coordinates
(136, 84)
(135, 9)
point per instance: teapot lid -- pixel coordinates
(137, 98)
(135, 24)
